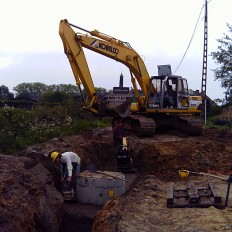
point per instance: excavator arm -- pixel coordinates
(77, 60)
(105, 45)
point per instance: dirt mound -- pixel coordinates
(29, 201)
(167, 154)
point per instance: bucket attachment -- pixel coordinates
(115, 105)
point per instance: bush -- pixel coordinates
(215, 110)
(84, 124)
(21, 128)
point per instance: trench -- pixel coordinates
(147, 158)
(160, 156)
(79, 217)
(76, 222)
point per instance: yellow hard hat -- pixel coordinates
(54, 155)
(183, 173)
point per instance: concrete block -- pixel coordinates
(93, 188)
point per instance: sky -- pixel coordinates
(31, 49)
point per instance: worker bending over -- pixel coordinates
(70, 165)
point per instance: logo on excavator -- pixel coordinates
(97, 44)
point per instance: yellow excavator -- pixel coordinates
(161, 100)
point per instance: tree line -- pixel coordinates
(44, 93)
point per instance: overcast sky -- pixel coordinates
(159, 30)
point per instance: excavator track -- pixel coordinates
(183, 123)
(189, 125)
(140, 125)
(144, 126)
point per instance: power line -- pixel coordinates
(190, 40)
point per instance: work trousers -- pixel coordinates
(75, 172)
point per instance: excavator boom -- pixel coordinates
(102, 44)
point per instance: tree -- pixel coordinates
(37, 90)
(60, 93)
(99, 91)
(54, 97)
(30, 90)
(65, 88)
(5, 93)
(223, 57)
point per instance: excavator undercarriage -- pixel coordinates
(144, 126)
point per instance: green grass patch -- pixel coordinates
(21, 128)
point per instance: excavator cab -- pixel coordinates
(171, 92)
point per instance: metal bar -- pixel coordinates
(79, 27)
(228, 187)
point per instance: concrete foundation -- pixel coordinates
(97, 188)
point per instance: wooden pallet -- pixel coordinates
(193, 195)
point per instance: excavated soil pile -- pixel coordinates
(166, 154)
(28, 200)
(143, 208)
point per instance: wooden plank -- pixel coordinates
(207, 201)
(181, 202)
(180, 193)
(170, 193)
(193, 194)
(205, 192)
(216, 195)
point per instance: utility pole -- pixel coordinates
(205, 54)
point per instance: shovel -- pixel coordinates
(228, 187)
(184, 174)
